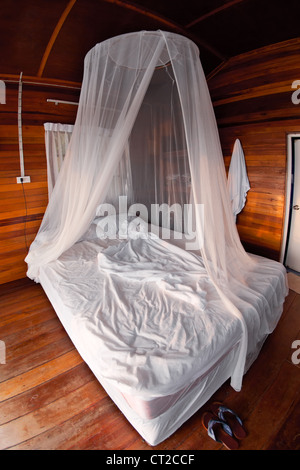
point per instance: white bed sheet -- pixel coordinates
(145, 317)
(160, 427)
(144, 336)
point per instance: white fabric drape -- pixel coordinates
(238, 182)
(144, 97)
(57, 138)
(2, 92)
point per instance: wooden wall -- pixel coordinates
(252, 99)
(18, 223)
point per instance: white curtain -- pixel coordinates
(57, 138)
(144, 97)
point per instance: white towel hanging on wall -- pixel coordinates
(238, 183)
(2, 92)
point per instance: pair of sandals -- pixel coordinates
(224, 425)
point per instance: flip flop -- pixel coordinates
(231, 418)
(219, 431)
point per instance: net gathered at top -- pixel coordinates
(146, 129)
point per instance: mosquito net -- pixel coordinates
(145, 129)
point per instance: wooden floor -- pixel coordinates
(49, 399)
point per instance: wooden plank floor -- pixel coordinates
(49, 399)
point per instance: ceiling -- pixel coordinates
(49, 38)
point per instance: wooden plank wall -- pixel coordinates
(22, 206)
(252, 100)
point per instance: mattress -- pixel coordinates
(145, 317)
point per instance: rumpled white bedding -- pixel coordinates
(144, 315)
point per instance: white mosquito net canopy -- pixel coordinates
(146, 129)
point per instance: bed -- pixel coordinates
(146, 318)
(162, 327)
